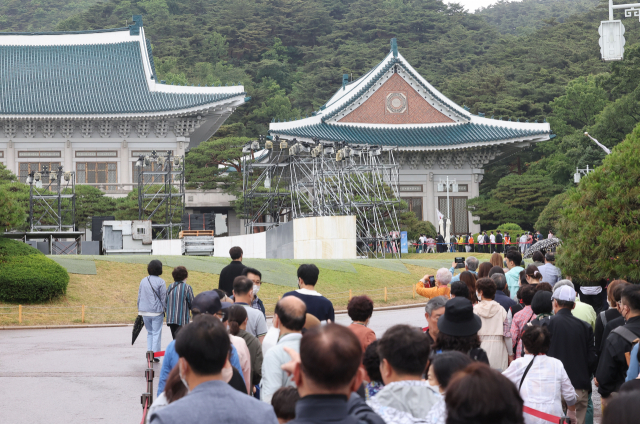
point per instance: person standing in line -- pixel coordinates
(440, 243)
(507, 241)
(471, 398)
(513, 259)
(255, 276)
(582, 310)
(458, 330)
(613, 366)
(550, 273)
(433, 310)
(522, 318)
(523, 243)
(317, 305)
(614, 293)
(284, 403)
(499, 241)
(572, 343)
(360, 309)
(470, 264)
(371, 364)
(179, 298)
(420, 243)
(327, 372)
(425, 245)
(441, 282)
(289, 316)
(480, 243)
(152, 299)
(495, 335)
(542, 381)
(203, 348)
(243, 295)
(404, 353)
(471, 247)
(441, 369)
(207, 302)
(231, 271)
(492, 243)
(237, 320)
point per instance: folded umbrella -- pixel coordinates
(137, 328)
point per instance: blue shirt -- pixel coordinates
(457, 277)
(513, 280)
(633, 370)
(171, 359)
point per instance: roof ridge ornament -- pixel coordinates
(394, 47)
(137, 24)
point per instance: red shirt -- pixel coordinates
(364, 334)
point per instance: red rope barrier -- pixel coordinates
(540, 414)
(158, 354)
(144, 413)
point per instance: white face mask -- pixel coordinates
(182, 379)
(478, 296)
(256, 289)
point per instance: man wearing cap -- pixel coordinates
(583, 310)
(572, 343)
(204, 303)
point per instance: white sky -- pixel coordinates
(472, 5)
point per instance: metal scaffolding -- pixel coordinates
(161, 191)
(55, 199)
(292, 179)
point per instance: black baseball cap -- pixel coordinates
(208, 302)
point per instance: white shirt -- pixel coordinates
(492, 238)
(544, 387)
(523, 239)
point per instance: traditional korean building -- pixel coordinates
(394, 105)
(91, 102)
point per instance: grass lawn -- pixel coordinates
(110, 295)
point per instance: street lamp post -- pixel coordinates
(448, 186)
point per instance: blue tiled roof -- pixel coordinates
(84, 80)
(447, 135)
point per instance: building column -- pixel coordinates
(11, 158)
(430, 203)
(68, 157)
(125, 165)
(474, 191)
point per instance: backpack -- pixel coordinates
(629, 336)
(603, 318)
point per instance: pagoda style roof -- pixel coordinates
(95, 75)
(393, 104)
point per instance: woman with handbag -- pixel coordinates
(152, 298)
(542, 381)
(179, 298)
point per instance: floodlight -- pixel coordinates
(147, 160)
(30, 178)
(339, 156)
(67, 176)
(255, 145)
(268, 145)
(176, 161)
(246, 148)
(267, 182)
(53, 176)
(37, 176)
(140, 161)
(283, 145)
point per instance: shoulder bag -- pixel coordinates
(526, 371)
(157, 297)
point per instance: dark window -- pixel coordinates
(415, 205)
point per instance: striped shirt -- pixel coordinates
(179, 298)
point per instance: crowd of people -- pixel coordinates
(482, 243)
(502, 344)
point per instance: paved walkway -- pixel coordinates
(94, 375)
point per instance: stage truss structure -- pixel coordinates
(288, 179)
(53, 193)
(161, 192)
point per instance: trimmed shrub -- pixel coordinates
(600, 221)
(510, 228)
(28, 276)
(10, 247)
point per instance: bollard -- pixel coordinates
(83, 314)
(19, 314)
(385, 294)
(350, 296)
(150, 358)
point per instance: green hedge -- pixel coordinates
(27, 276)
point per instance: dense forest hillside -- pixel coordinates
(521, 17)
(38, 15)
(291, 54)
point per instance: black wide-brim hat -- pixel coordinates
(459, 319)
